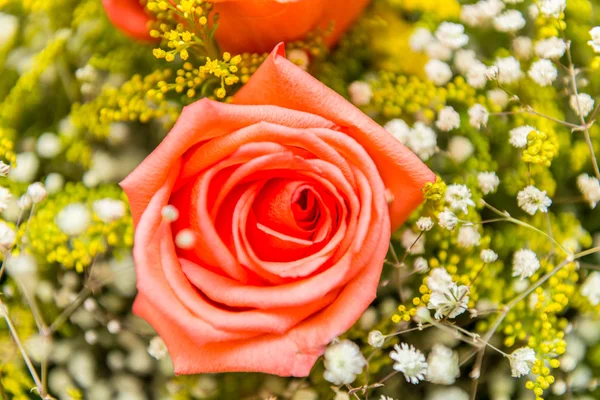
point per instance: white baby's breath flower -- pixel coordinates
(468, 237)
(169, 213)
(299, 57)
(450, 303)
(492, 72)
(25, 202)
(543, 72)
(591, 288)
(48, 145)
(420, 265)
(26, 168)
(531, 199)
(478, 116)
(481, 13)
(360, 93)
(438, 72)
(447, 219)
(420, 39)
(552, 8)
(409, 238)
(488, 182)
(464, 59)
(343, 361)
(185, 239)
(439, 280)
(458, 197)
(499, 97)
(472, 15)
(424, 224)
(460, 149)
(521, 360)
(109, 210)
(488, 256)
(448, 393)
(448, 119)
(582, 104)
(552, 48)
(476, 75)
(410, 361)
(36, 192)
(590, 188)
(399, 129)
(509, 70)
(22, 266)
(525, 263)
(157, 348)
(5, 197)
(509, 21)
(113, 326)
(437, 51)
(422, 140)
(451, 35)
(54, 182)
(10, 26)
(518, 136)
(376, 339)
(523, 47)
(74, 219)
(7, 237)
(595, 42)
(442, 365)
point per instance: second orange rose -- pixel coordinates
(254, 26)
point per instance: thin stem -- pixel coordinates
(84, 294)
(410, 248)
(528, 109)
(586, 130)
(586, 252)
(526, 225)
(15, 336)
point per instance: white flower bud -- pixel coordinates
(37, 192)
(376, 339)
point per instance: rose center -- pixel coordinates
(305, 208)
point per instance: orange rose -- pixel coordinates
(252, 25)
(283, 223)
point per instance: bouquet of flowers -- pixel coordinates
(299, 199)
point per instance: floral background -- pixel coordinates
(491, 290)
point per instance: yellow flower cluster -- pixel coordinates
(25, 93)
(182, 27)
(7, 137)
(397, 95)
(49, 243)
(14, 381)
(449, 9)
(126, 103)
(433, 193)
(541, 148)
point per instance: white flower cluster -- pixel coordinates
(525, 263)
(590, 188)
(531, 199)
(343, 361)
(421, 139)
(459, 197)
(447, 298)
(442, 365)
(521, 361)
(410, 361)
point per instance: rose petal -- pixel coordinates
(277, 81)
